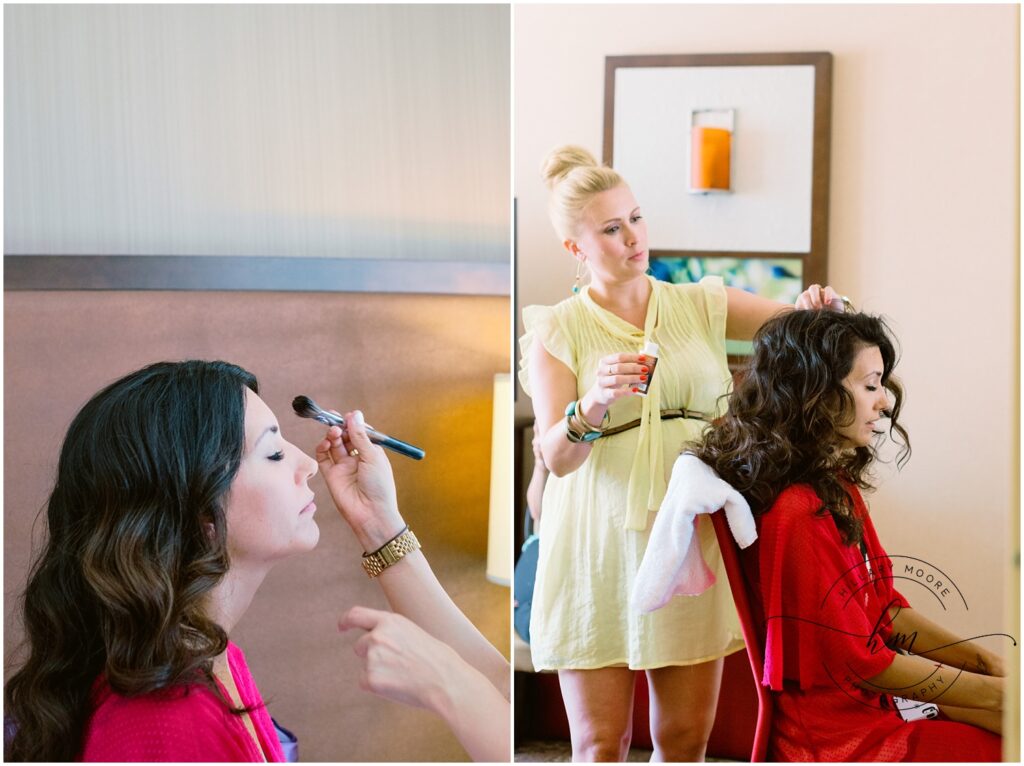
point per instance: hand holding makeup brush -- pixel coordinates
(471, 692)
(359, 477)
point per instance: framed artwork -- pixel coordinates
(728, 155)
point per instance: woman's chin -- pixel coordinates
(304, 540)
(312, 538)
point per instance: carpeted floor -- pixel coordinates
(536, 751)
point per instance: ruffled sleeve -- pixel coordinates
(825, 612)
(542, 325)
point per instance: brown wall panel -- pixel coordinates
(419, 366)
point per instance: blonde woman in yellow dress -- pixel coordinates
(600, 501)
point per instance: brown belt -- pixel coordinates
(665, 415)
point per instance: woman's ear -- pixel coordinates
(574, 250)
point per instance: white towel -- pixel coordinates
(673, 563)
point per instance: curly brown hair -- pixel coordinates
(137, 539)
(785, 413)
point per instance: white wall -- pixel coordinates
(924, 217)
(355, 131)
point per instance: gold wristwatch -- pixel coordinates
(391, 552)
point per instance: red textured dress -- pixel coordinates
(822, 607)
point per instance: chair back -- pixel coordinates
(753, 631)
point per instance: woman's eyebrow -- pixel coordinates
(610, 220)
(267, 430)
(871, 375)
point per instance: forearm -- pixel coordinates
(477, 715)
(747, 312)
(413, 591)
(915, 633)
(554, 387)
(985, 719)
(562, 456)
(923, 680)
(535, 492)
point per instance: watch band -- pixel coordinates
(390, 553)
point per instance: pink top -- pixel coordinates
(180, 724)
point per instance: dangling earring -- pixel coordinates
(579, 275)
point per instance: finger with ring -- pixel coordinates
(353, 452)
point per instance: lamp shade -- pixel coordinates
(499, 531)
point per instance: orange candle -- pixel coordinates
(710, 150)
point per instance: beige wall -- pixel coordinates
(420, 367)
(924, 217)
(345, 131)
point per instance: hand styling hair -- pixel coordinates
(784, 415)
(136, 540)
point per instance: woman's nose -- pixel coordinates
(630, 235)
(307, 467)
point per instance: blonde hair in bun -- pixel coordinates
(574, 177)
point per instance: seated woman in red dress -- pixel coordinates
(797, 443)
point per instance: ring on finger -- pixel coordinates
(353, 452)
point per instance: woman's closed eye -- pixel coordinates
(872, 388)
(279, 455)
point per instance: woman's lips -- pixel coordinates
(638, 256)
(310, 508)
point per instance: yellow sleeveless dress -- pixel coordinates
(596, 521)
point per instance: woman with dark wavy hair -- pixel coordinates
(798, 442)
(176, 494)
(129, 605)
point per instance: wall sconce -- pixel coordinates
(711, 150)
(499, 526)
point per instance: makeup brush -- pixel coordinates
(306, 408)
